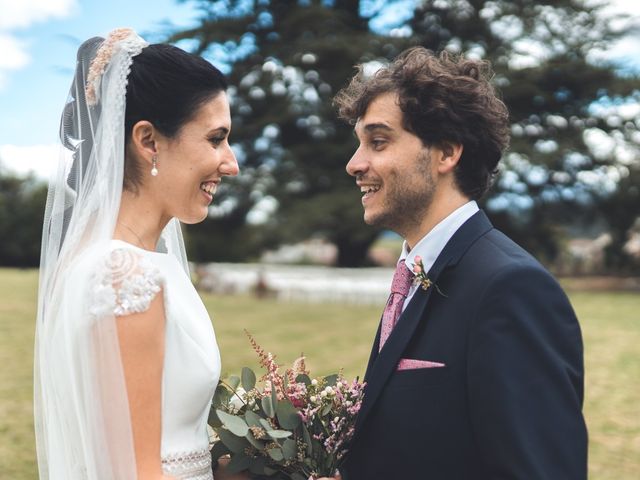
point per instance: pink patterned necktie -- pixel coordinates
(399, 289)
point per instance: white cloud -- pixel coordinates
(13, 56)
(41, 160)
(22, 14)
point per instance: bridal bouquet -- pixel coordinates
(288, 425)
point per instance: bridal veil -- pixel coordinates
(83, 428)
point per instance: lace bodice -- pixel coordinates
(126, 282)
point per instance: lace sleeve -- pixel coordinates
(126, 283)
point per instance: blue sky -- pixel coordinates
(38, 42)
(31, 97)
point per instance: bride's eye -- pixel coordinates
(215, 141)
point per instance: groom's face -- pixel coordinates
(392, 167)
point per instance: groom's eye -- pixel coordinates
(378, 143)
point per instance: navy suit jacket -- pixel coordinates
(508, 403)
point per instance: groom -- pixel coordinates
(476, 371)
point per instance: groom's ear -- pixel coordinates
(144, 140)
(449, 156)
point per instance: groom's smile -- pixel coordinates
(368, 191)
(392, 167)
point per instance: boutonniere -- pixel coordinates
(421, 278)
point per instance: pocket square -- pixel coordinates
(411, 364)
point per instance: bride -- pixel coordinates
(126, 358)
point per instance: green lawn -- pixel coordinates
(334, 336)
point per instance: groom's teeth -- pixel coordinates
(369, 188)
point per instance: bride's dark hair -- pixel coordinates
(166, 87)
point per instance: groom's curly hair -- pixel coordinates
(445, 99)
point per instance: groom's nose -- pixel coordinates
(357, 165)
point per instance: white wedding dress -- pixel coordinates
(81, 407)
(126, 282)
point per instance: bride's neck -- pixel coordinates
(138, 222)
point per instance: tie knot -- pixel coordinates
(402, 279)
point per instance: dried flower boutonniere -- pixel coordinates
(421, 276)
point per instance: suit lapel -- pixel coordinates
(383, 364)
(374, 351)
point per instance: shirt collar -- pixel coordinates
(431, 245)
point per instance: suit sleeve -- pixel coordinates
(525, 379)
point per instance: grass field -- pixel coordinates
(334, 336)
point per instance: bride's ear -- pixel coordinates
(144, 140)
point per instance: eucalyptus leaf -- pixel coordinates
(213, 419)
(236, 425)
(307, 439)
(274, 399)
(303, 378)
(276, 454)
(267, 426)
(238, 463)
(287, 415)
(298, 476)
(221, 396)
(289, 449)
(316, 445)
(267, 406)
(326, 409)
(233, 382)
(233, 443)
(252, 418)
(248, 379)
(331, 379)
(254, 441)
(279, 434)
(258, 466)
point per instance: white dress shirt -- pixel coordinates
(432, 244)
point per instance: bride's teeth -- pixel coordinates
(209, 187)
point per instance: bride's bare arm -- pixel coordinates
(141, 338)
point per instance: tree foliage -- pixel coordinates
(288, 58)
(22, 202)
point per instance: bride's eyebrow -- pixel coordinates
(221, 130)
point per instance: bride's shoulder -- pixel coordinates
(122, 280)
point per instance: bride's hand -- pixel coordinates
(337, 477)
(220, 473)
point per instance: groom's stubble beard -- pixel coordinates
(408, 197)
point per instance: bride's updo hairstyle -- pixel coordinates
(166, 87)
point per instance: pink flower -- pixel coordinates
(417, 269)
(417, 259)
(297, 402)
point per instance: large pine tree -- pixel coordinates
(288, 58)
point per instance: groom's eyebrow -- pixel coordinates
(372, 127)
(377, 126)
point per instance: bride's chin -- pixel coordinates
(195, 218)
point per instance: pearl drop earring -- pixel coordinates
(154, 166)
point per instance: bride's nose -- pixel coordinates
(229, 165)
